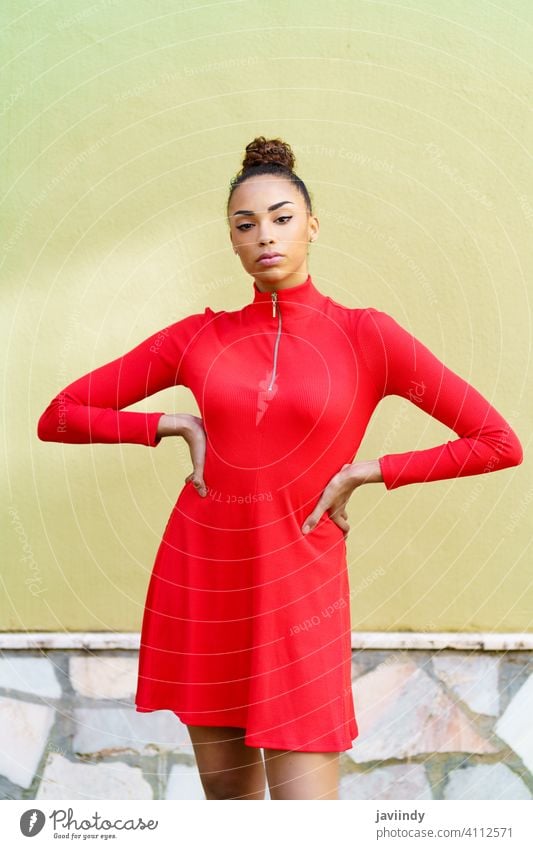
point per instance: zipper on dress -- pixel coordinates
(275, 308)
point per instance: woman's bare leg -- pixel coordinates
(302, 775)
(229, 769)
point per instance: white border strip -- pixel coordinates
(436, 640)
(481, 641)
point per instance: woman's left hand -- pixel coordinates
(334, 499)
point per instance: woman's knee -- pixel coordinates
(229, 769)
(232, 787)
(302, 775)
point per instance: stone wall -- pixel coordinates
(433, 725)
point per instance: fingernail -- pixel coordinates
(306, 529)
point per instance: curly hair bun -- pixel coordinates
(264, 151)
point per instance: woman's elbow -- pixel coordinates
(504, 450)
(51, 424)
(517, 453)
(514, 453)
(45, 432)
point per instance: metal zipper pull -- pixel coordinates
(276, 344)
(274, 301)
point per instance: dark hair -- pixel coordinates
(269, 156)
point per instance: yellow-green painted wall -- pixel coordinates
(123, 125)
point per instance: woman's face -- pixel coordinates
(286, 230)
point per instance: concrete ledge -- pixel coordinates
(462, 640)
(436, 640)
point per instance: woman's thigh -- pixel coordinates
(229, 769)
(302, 775)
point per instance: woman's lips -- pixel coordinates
(271, 260)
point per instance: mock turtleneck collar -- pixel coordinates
(304, 294)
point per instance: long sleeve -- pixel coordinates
(90, 408)
(402, 365)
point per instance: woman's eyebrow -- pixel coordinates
(270, 208)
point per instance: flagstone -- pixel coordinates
(63, 779)
(485, 781)
(401, 711)
(112, 731)
(473, 677)
(515, 726)
(107, 677)
(184, 783)
(397, 781)
(24, 730)
(33, 675)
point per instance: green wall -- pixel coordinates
(123, 125)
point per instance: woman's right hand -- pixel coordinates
(192, 429)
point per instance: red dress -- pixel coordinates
(247, 620)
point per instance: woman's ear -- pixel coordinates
(315, 229)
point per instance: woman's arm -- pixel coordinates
(402, 365)
(90, 408)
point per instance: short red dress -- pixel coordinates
(247, 620)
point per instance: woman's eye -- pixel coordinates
(281, 218)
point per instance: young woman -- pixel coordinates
(246, 630)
